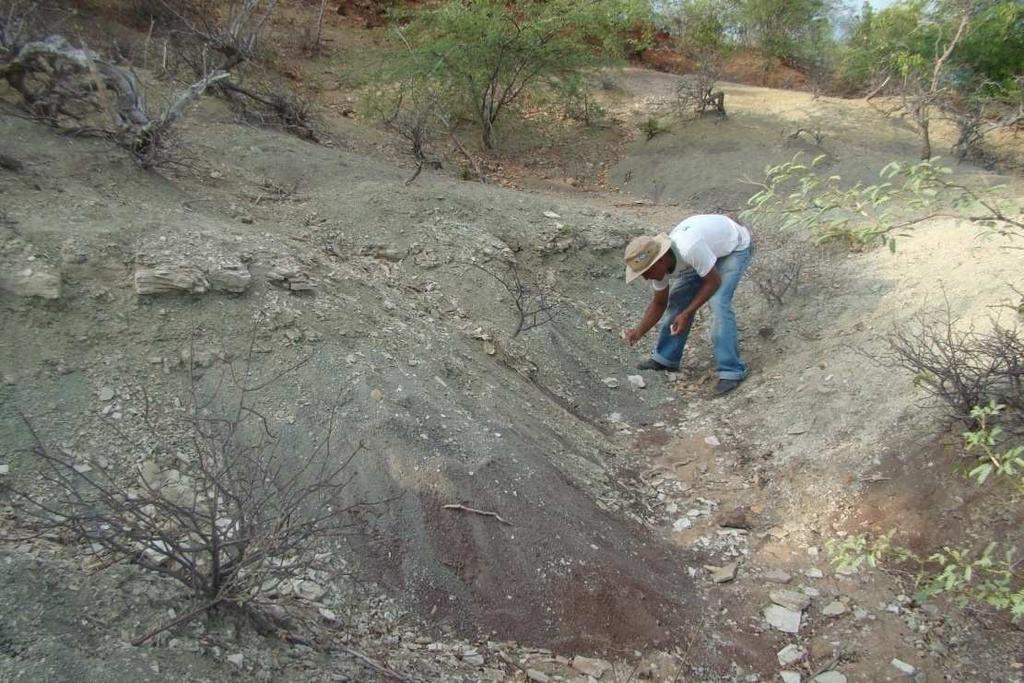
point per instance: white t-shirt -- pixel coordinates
(699, 241)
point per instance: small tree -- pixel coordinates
(488, 53)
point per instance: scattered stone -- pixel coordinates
(474, 658)
(829, 677)
(288, 274)
(611, 382)
(551, 214)
(636, 381)
(737, 518)
(908, 669)
(790, 676)
(834, 609)
(790, 599)
(783, 619)
(229, 275)
(537, 676)
(589, 666)
(860, 614)
(5, 469)
(682, 523)
(712, 441)
(33, 281)
(170, 278)
(237, 659)
(791, 654)
(723, 574)
(106, 394)
(777, 576)
(810, 591)
(308, 590)
(814, 573)
(327, 614)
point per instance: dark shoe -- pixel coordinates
(651, 364)
(724, 386)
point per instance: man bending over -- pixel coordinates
(701, 261)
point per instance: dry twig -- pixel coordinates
(485, 513)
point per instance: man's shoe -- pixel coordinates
(724, 386)
(651, 364)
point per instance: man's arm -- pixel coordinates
(708, 286)
(655, 309)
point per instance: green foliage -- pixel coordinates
(487, 53)
(799, 195)
(985, 441)
(987, 577)
(991, 576)
(703, 28)
(780, 27)
(906, 38)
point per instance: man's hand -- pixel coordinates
(632, 335)
(680, 323)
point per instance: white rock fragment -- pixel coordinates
(908, 669)
(5, 469)
(791, 654)
(32, 282)
(790, 676)
(783, 619)
(829, 677)
(551, 214)
(170, 277)
(589, 666)
(537, 676)
(712, 441)
(308, 590)
(682, 523)
(834, 609)
(814, 573)
(636, 381)
(237, 659)
(106, 394)
(611, 382)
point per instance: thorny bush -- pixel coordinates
(224, 503)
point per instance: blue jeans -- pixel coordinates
(725, 340)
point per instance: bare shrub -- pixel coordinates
(532, 302)
(961, 366)
(209, 34)
(225, 504)
(273, 108)
(778, 264)
(696, 95)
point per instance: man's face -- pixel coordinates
(658, 270)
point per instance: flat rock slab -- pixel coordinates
(829, 677)
(785, 620)
(590, 666)
(834, 609)
(777, 576)
(790, 599)
(791, 654)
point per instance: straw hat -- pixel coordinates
(643, 252)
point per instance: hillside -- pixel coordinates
(128, 291)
